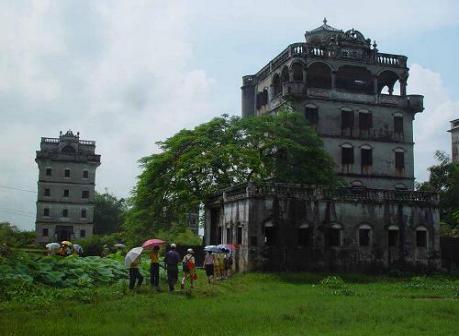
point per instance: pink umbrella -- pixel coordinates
(150, 243)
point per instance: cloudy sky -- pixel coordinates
(130, 73)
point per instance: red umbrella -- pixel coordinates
(150, 243)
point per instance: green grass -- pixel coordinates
(249, 304)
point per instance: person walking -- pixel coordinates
(154, 267)
(209, 262)
(189, 268)
(171, 262)
(134, 274)
(228, 264)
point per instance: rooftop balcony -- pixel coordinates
(91, 158)
(413, 103)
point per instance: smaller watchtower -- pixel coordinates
(66, 181)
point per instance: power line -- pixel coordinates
(17, 213)
(17, 189)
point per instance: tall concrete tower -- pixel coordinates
(354, 97)
(66, 181)
(454, 140)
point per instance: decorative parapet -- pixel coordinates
(307, 50)
(281, 190)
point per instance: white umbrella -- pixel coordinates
(53, 246)
(132, 255)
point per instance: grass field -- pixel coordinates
(251, 304)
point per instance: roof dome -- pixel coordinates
(321, 33)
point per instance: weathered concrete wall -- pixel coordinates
(286, 214)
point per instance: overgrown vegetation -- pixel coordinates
(11, 236)
(444, 179)
(193, 164)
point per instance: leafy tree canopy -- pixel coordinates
(444, 179)
(109, 213)
(194, 164)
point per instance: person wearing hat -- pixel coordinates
(188, 263)
(171, 261)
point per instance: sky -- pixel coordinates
(130, 73)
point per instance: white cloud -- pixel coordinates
(118, 72)
(430, 126)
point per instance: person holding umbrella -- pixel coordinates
(171, 262)
(132, 261)
(154, 267)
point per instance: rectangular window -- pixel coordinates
(82, 233)
(85, 194)
(347, 155)
(304, 237)
(392, 236)
(364, 237)
(83, 213)
(220, 234)
(46, 212)
(239, 235)
(45, 232)
(67, 172)
(334, 237)
(85, 174)
(229, 236)
(49, 172)
(66, 193)
(312, 115)
(253, 241)
(365, 121)
(347, 119)
(399, 160)
(366, 156)
(47, 192)
(65, 213)
(421, 238)
(398, 125)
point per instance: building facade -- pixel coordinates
(355, 98)
(288, 227)
(66, 181)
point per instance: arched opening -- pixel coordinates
(388, 83)
(276, 85)
(392, 236)
(334, 238)
(68, 149)
(269, 233)
(284, 75)
(364, 235)
(421, 237)
(354, 79)
(319, 76)
(297, 69)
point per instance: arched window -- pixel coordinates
(357, 183)
(311, 114)
(421, 237)
(334, 238)
(366, 158)
(297, 69)
(400, 186)
(354, 79)
(319, 76)
(347, 154)
(304, 235)
(365, 235)
(392, 236)
(270, 233)
(399, 158)
(276, 85)
(285, 75)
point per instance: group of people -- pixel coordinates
(217, 266)
(64, 249)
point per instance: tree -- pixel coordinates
(10, 235)
(109, 213)
(194, 164)
(444, 180)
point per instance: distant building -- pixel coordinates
(66, 181)
(454, 140)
